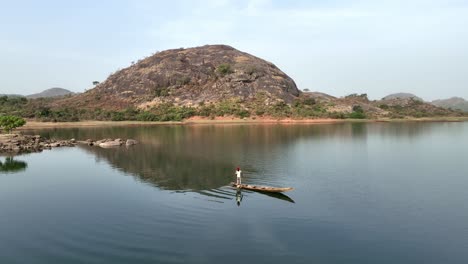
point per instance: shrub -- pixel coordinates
(309, 101)
(43, 112)
(383, 106)
(161, 91)
(13, 105)
(280, 109)
(117, 116)
(259, 112)
(250, 69)
(206, 110)
(224, 69)
(183, 80)
(187, 112)
(307, 107)
(8, 123)
(357, 97)
(358, 109)
(243, 113)
(304, 112)
(130, 113)
(147, 116)
(226, 107)
(166, 112)
(337, 115)
(65, 115)
(357, 115)
(415, 102)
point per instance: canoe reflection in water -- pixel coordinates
(280, 196)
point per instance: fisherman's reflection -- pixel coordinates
(239, 196)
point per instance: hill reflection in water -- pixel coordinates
(203, 157)
(363, 193)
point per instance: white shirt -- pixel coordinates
(238, 173)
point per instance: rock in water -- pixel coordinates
(131, 142)
(24, 143)
(110, 144)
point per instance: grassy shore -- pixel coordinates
(31, 124)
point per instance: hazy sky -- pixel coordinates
(336, 47)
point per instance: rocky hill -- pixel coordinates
(188, 77)
(402, 96)
(453, 103)
(52, 92)
(358, 106)
(211, 81)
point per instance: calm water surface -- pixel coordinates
(364, 193)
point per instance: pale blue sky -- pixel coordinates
(336, 47)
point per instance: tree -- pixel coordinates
(306, 90)
(8, 123)
(358, 109)
(358, 112)
(95, 83)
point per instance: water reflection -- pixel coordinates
(373, 193)
(202, 157)
(239, 196)
(10, 165)
(280, 196)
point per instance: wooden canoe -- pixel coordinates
(262, 188)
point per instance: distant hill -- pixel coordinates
(206, 74)
(402, 96)
(453, 103)
(52, 92)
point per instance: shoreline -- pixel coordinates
(31, 124)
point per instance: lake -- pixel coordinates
(364, 193)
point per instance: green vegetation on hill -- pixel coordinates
(415, 108)
(303, 107)
(224, 69)
(12, 105)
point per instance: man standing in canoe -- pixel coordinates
(238, 174)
